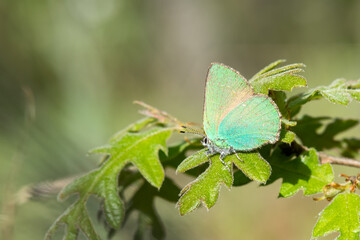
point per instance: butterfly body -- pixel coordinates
(235, 118)
(224, 150)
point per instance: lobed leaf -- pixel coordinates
(340, 91)
(341, 215)
(282, 79)
(268, 68)
(303, 172)
(308, 131)
(142, 150)
(205, 189)
(102, 183)
(77, 219)
(252, 164)
(139, 148)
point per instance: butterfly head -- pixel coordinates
(206, 142)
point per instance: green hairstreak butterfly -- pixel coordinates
(235, 118)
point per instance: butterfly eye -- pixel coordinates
(205, 141)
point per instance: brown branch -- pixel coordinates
(325, 158)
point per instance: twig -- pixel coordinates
(325, 158)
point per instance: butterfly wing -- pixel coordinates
(251, 124)
(225, 89)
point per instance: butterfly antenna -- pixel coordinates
(191, 130)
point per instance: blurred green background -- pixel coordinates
(70, 70)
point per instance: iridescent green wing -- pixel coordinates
(251, 124)
(225, 89)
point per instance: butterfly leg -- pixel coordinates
(233, 150)
(222, 156)
(208, 154)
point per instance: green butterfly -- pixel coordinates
(236, 118)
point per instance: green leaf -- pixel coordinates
(143, 201)
(141, 149)
(308, 131)
(179, 151)
(341, 215)
(268, 68)
(340, 91)
(303, 172)
(135, 127)
(283, 78)
(205, 189)
(77, 219)
(253, 165)
(279, 98)
(287, 136)
(192, 161)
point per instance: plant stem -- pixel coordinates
(325, 158)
